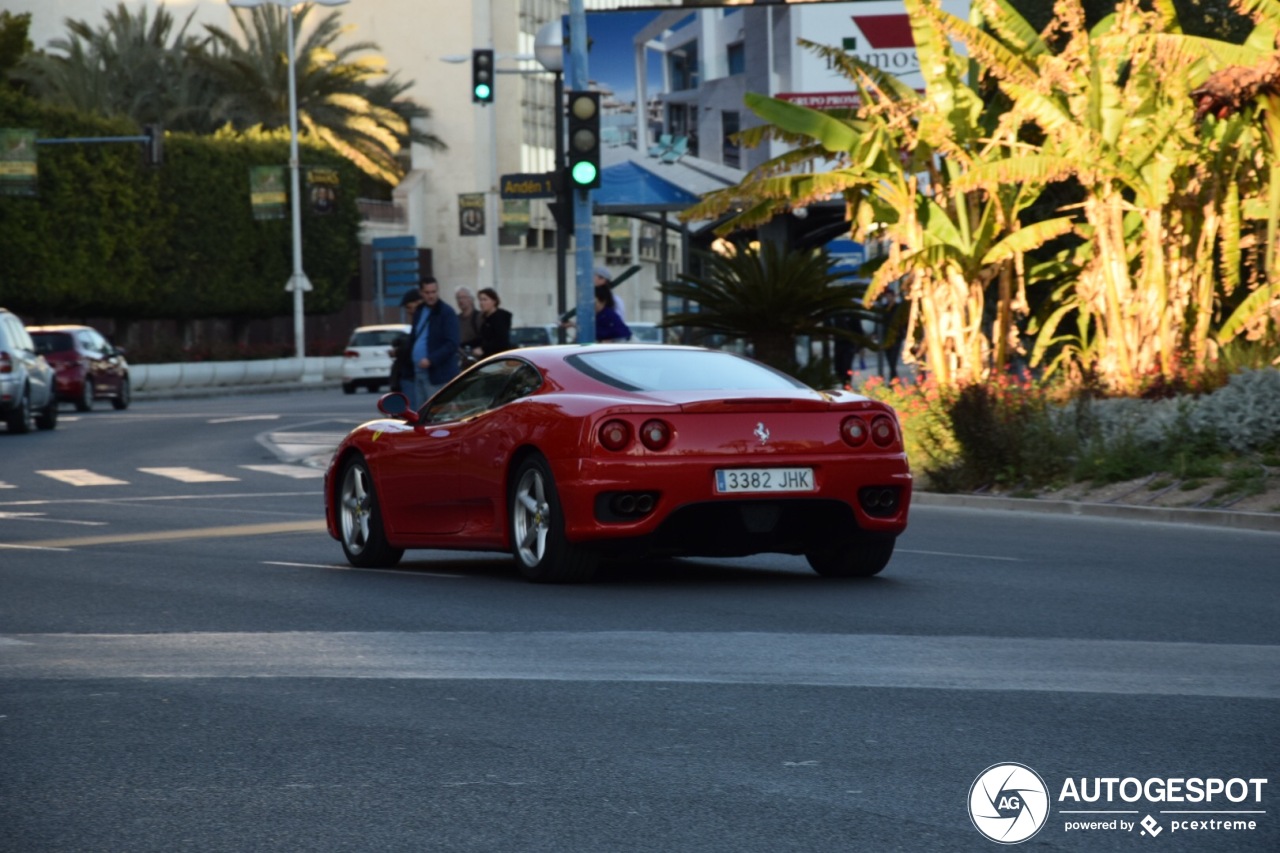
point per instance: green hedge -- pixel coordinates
(109, 236)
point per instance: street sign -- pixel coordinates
(471, 214)
(530, 185)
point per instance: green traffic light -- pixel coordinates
(584, 173)
(483, 91)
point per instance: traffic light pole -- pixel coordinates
(582, 236)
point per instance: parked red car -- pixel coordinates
(559, 455)
(86, 366)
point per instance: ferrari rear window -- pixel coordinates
(47, 342)
(668, 369)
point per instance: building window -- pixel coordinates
(684, 67)
(730, 124)
(737, 59)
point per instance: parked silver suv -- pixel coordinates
(26, 379)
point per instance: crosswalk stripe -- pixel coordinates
(189, 475)
(82, 477)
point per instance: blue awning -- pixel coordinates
(628, 185)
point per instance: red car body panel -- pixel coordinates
(445, 485)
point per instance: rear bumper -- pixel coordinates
(689, 517)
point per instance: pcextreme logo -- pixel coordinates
(1009, 803)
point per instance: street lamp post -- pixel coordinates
(549, 51)
(298, 281)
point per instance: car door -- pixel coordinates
(419, 479)
(38, 372)
(112, 364)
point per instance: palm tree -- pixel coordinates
(131, 66)
(767, 295)
(345, 98)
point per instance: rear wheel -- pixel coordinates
(85, 401)
(852, 557)
(19, 420)
(537, 529)
(360, 520)
(48, 416)
(125, 397)
(348, 387)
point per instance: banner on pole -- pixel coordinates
(17, 162)
(266, 192)
(471, 214)
(322, 190)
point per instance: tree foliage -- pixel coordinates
(109, 236)
(152, 69)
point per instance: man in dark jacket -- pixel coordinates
(434, 345)
(402, 363)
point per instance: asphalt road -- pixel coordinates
(186, 663)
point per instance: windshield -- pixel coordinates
(680, 370)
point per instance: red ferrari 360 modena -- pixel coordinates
(563, 454)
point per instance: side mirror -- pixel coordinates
(396, 405)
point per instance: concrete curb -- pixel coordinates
(1266, 522)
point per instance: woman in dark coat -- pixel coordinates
(495, 324)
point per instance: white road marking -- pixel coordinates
(40, 516)
(243, 418)
(964, 556)
(1055, 665)
(297, 472)
(5, 546)
(149, 498)
(340, 568)
(4, 485)
(189, 475)
(82, 477)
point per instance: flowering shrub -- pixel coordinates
(926, 430)
(1011, 432)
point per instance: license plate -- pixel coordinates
(740, 480)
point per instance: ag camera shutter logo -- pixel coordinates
(1008, 803)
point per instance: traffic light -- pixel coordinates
(584, 140)
(154, 145)
(482, 76)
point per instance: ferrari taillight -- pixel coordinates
(883, 431)
(615, 434)
(655, 434)
(854, 431)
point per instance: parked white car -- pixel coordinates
(367, 359)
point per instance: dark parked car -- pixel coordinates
(26, 380)
(87, 366)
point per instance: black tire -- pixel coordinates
(125, 397)
(364, 540)
(19, 420)
(373, 387)
(348, 388)
(84, 402)
(47, 418)
(854, 557)
(536, 524)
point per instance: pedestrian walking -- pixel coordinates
(495, 325)
(435, 343)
